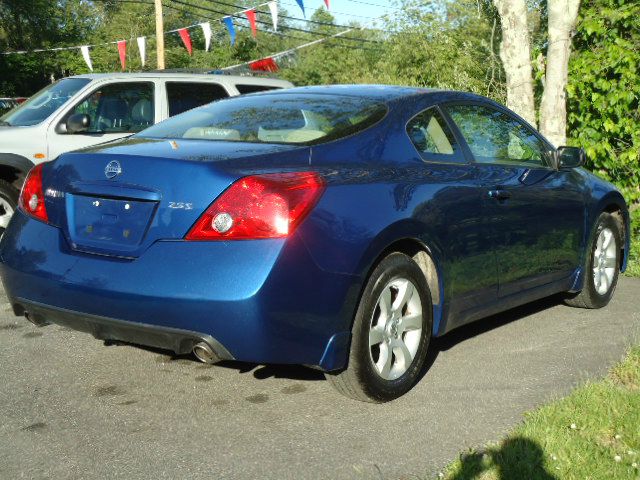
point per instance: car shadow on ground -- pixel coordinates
(514, 459)
(446, 342)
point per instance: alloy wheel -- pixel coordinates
(604, 261)
(395, 329)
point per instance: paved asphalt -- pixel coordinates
(71, 407)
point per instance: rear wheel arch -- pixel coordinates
(420, 254)
(14, 168)
(425, 258)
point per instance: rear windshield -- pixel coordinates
(288, 118)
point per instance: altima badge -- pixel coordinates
(112, 169)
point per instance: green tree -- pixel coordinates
(604, 91)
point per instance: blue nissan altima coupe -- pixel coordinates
(336, 227)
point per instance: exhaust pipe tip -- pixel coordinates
(205, 353)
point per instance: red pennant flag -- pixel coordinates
(186, 39)
(122, 51)
(251, 16)
(326, 2)
(264, 65)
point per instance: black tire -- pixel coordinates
(9, 194)
(360, 380)
(589, 297)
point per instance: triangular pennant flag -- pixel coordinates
(186, 38)
(85, 55)
(251, 16)
(122, 51)
(301, 3)
(264, 65)
(326, 2)
(206, 31)
(228, 21)
(273, 6)
(142, 47)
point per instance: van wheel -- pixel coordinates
(390, 334)
(8, 203)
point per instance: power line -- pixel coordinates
(375, 5)
(315, 22)
(276, 33)
(332, 11)
(236, 15)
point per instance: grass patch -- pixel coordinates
(594, 433)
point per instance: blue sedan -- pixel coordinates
(336, 227)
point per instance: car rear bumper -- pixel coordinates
(262, 301)
(104, 328)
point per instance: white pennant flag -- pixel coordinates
(273, 6)
(85, 54)
(142, 46)
(206, 31)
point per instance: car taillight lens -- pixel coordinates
(260, 206)
(32, 196)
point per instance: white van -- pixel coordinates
(85, 110)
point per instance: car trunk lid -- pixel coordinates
(118, 199)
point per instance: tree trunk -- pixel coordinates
(515, 52)
(563, 15)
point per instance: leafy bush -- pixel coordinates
(604, 91)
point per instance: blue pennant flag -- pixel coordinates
(301, 3)
(232, 31)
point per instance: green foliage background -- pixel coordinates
(450, 44)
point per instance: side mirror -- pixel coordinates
(570, 157)
(78, 123)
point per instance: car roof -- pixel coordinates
(185, 76)
(387, 93)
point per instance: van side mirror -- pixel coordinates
(78, 122)
(570, 157)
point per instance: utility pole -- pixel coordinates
(159, 35)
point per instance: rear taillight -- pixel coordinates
(260, 206)
(32, 196)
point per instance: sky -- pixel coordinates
(364, 12)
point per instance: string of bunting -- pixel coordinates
(185, 36)
(269, 64)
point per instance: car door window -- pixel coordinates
(184, 96)
(119, 108)
(495, 137)
(432, 137)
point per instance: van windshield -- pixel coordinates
(273, 118)
(43, 103)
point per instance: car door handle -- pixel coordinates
(499, 194)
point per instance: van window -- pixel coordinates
(183, 96)
(44, 103)
(244, 89)
(118, 108)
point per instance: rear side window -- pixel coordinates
(432, 137)
(244, 89)
(183, 96)
(118, 108)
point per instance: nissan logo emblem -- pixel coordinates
(112, 169)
